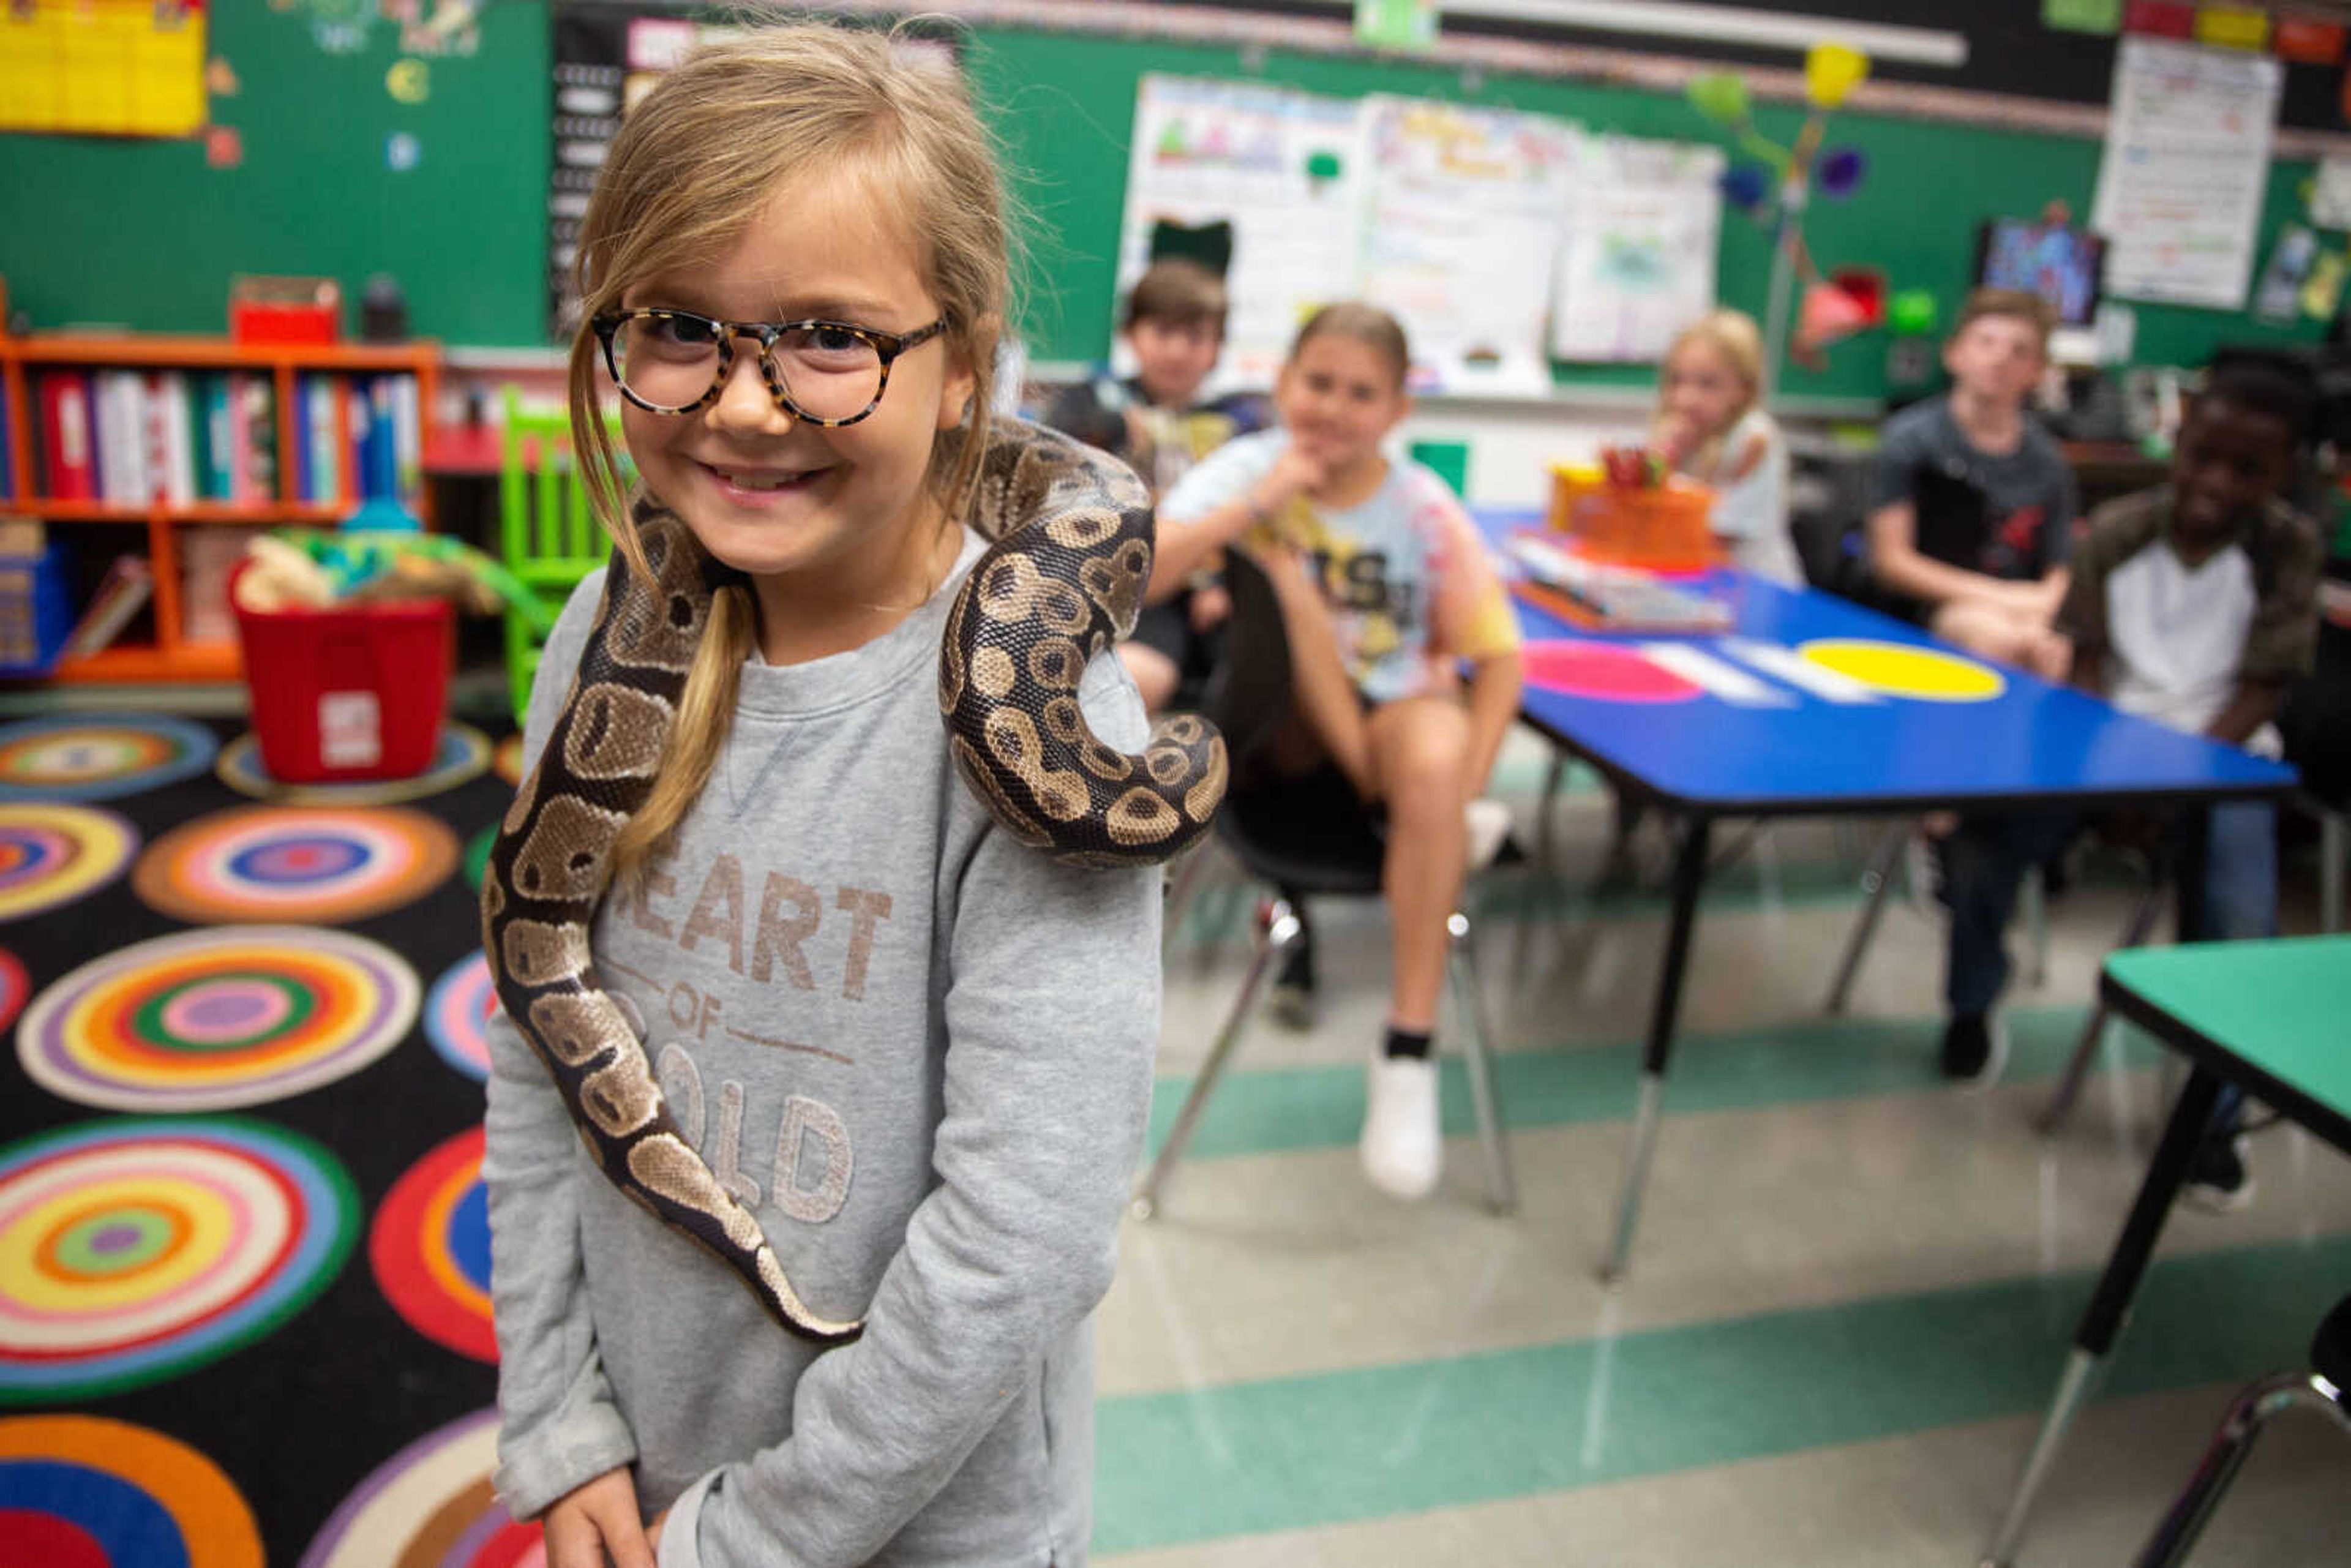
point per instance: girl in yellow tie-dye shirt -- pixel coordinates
(1388, 597)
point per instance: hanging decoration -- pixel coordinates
(1773, 186)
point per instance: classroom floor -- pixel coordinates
(1851, 1293)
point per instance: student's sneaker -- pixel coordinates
(2218, 1181)
(1293, 1001)
(1975, 1048)
(1402, 1149)
(1489, 822)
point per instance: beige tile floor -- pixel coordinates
(1278, 1269)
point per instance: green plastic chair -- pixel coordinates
(546, 529)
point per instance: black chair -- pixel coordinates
(1307, 837)
(2320, 1390)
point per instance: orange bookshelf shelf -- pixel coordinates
(287, 371)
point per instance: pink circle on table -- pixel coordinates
(1603, 673)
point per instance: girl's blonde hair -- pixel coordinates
(695, 162)
(1366, 324)
(1734, 336)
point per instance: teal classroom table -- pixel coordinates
(2271, 1018)
(1811, 705)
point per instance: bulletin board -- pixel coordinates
(447, 191)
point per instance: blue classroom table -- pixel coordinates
(1811, 705)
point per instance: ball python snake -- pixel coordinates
(1064, 578)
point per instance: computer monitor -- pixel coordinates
(2063, 265)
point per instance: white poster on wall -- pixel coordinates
(1637, 263)
(2186, 166)
(1279, 167)
(1461, 225)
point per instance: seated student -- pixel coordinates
(1711, 426)
(2193, 604)
(1176, 325)
(1973, 504)
(1385, 590)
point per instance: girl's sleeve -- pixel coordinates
(1052, 1023)
(1472, 617)
(558, 1424)
(1224, 474)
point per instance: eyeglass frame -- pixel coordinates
(888, 346)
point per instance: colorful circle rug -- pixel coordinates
(430, 1503)
(457, 1013)
(430, 1247)
(134, 1250)
(52, 854)
(295, 862)
(81, 1491)
(15, 987)
(209, 1020)
(463, 754)
(97, 756)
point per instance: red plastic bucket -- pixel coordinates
(348, 694)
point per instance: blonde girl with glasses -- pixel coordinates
(918, 1051)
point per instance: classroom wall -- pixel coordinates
(146, 234)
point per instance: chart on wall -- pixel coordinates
(1500, 239)
(1637, 263)
(2187, 161)
(1460, 226)
(1281, 169)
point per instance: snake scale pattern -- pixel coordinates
(1062, 580)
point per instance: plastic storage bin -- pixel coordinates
(1657, 529)
(348, 693)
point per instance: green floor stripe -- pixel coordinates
(1377, 1442)
(1276, 1110)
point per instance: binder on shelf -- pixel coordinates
(127, 584)
(69, 470)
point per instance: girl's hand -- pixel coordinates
(1293, 474)
(1210, 606)
(596, 1519)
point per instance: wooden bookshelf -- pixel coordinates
(175, 655)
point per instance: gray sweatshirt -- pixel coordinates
(921, 1054)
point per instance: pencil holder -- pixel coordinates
(1660, 528)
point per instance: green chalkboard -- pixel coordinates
(146, 234)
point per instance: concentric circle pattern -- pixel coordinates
(97, 758)
(457, 1013)
(293, 863)
(430, 1247)
(462, 754)
(208, 1020)
(429, 1505)
(13, 988)
(52, 854)
(133, 1249)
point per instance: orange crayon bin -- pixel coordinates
(1658, 527)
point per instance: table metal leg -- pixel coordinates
(2102, 1319)
(1689, 877)
(1876, 882)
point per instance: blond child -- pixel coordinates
(1386, 592)
(1712, 428)
(919, 1051)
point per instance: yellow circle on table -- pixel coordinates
(1905, 670)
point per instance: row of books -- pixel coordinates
(40, 623)
(126, 436)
